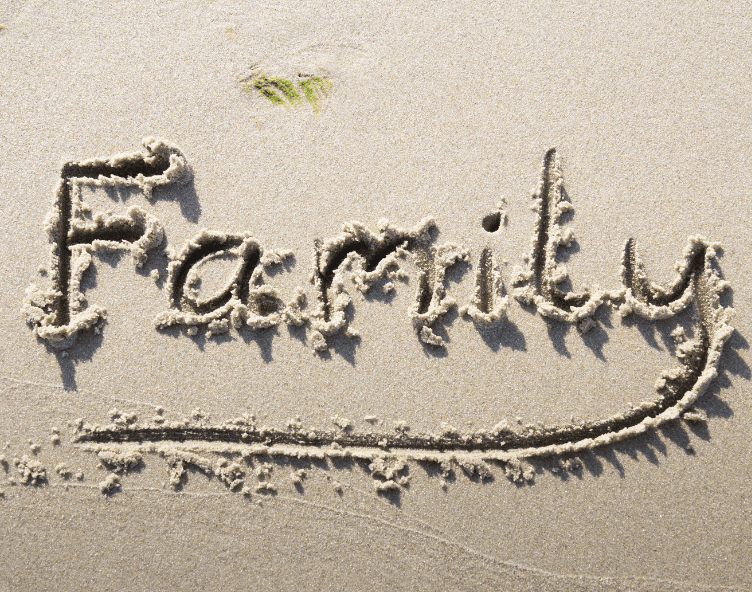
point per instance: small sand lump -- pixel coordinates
(63, 470)
(32, 471)
(231, 474)
(297, 476)
(110, 484)
(342, 423)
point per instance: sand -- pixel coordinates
(357, 296)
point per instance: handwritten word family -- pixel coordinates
(61, 312)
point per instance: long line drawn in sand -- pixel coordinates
(59, 313)
(697, 286)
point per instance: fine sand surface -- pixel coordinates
(310, 296)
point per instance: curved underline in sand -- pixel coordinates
(543, 442)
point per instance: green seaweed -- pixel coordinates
(287, 89)
(271, 95)
(313, 88)
(312, 85)
(266, 88)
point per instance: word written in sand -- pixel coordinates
(60, 313)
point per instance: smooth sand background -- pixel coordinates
(434, 111)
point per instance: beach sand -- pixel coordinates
(321, 342)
